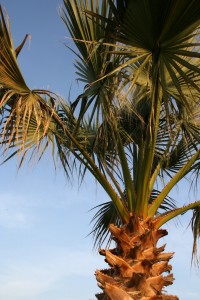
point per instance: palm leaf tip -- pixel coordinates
(19, 48)
(10, 74)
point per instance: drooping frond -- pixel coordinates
(26, 115)
(195, 224)
(106, 215)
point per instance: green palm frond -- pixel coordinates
(178, 157)
(168, 204)
(172, 50)
(94, 59)
(172, 182)
(106, 215)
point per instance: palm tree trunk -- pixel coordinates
(136, 264)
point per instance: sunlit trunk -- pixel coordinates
(136, 264)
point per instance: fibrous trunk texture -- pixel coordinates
(136, 264)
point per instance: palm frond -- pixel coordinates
(195, 224)
(10, 75)
(88, 33)
(25, 115)
(168, 204)
(106, 215)
(178, 156)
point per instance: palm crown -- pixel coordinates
(136, 121)
(141, 74)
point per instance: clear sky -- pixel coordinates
(44, 251)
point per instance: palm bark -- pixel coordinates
(136, 264)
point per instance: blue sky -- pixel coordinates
(44, 251)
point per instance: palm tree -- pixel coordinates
(136, 123)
